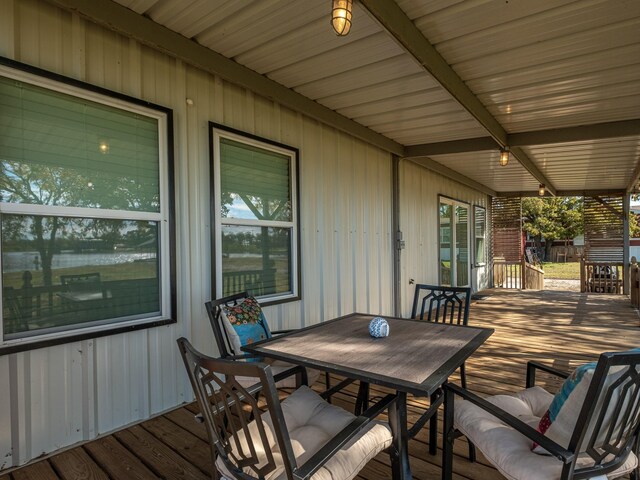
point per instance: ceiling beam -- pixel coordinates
(113, 16)
(453, 146)
(434, 166)
(533, 169)
(596, 131)
(400, 27)
(391, 17)
(564, 193)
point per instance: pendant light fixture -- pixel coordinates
(542, 190)
(504, 156)
(341, 16)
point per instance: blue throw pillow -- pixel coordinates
(248, 322)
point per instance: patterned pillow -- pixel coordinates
(245, 323)
(560, 419)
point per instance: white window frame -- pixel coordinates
(218, 132)
(475, 237)
(163, 218)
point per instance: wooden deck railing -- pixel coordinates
(507, 274)
(634, 283)
(602, 277)
(256, 282)
(517, 275)
(533, 278)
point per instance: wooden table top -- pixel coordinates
(417, 356)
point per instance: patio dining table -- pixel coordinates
(416, 358)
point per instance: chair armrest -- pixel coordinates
(531, 372)
(437, 399)
(549, 445)
(323, 455)
(295, 370)
(282, 332)
(336, 388)
(280, 376)
(240, 356)
(256, 388)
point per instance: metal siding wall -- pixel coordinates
(419, 192)
(54, 397)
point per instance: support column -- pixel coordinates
(626, 207)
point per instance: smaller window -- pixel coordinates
(480, 234)
(255, 238)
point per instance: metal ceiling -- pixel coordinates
(542, 65)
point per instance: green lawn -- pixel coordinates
(564, 271)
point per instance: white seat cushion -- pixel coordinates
(312, 422)
(508, 450)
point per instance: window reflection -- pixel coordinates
(67, 272)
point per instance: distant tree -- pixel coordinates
(634, 225)
(40, 184)
(552, 218)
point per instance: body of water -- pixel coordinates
(20, 261)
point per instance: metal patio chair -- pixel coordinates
(602, 424)
(226, 349)
(294, 439)
(443, 304)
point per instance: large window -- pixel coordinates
(84, 210)
(255, 235)
(480, 234)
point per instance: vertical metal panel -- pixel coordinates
(7, 413)
(7, 32)
(419, 192)
(54, 397)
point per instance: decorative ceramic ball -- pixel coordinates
(378, 327)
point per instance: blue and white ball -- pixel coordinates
(378, 327)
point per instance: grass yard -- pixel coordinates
(563, 271)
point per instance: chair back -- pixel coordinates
(609, 421)
(226, 407)
(441, 304)
(214, 310)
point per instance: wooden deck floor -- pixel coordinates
(563, 329)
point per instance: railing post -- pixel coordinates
(523, 273)
(634, 277)
(583, 276)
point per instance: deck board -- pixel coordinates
(562, 329)
(76, 464)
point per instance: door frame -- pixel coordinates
(453, 266)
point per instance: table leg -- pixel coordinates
(447, 435)
(400, 468)
(433, 429)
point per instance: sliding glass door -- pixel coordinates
(454, 243)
